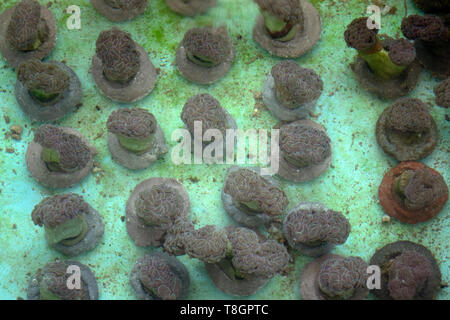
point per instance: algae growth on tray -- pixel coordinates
(344, 109)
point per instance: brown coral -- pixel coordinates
(132, 122)
(119, 56)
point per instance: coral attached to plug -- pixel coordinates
(252, 199)
(406, 130)
(291, 92)
(135, 139)
(47, 91)
(153, 208)
(27, 31)
(287, 28)
(431, 35)
(413, 192)
(71, 225)
(313, 229)
(59, 157)
(121, 68)
(50, 282)
(305, 150)
(409, 272)
(334, 277)
(205, 54)
(384, 66)
(159, 276)
(190, 7)
(120, 10)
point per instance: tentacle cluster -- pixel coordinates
(252, 256)
(420, 188)
(207, 44)
(427, 28)
(120, 58)
(340, 277)
(160, 206)
(56, 210)
(442, 92)
(132, 122)
(408, 275)
(402, 52)
(54, 283)
(290, 11)
(209, 244)
(126, 4)
(72, 151)
(246, 186)
(304, 144)
(296, 85)
(42, 77)
(359, 36)
(206, 109)
(26, 26)
(157, 277)
(409, 115)
(315, 227)
(174, 242)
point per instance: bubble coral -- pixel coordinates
(334, 277)
(152, 209)
(442, 93)
(190, 7)
(27, 31)
(59, 157)
(252, 199)
(406, 130)
(413, 192)
(120, 10)
(305, 150)
(51, 282)
(287, 28)
(121, 68)
(290, 91)
(314, 230)
(250, 262)
(409, 271)
(208, 244)
(158, 276)
(205, 54)
(431, 37)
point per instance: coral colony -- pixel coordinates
(270, 228)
